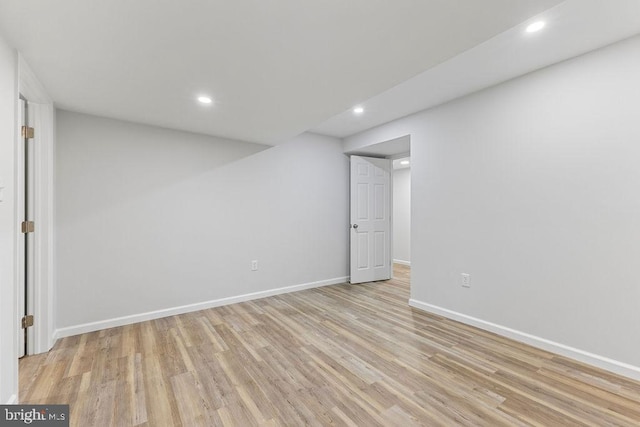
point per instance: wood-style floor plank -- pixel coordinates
(344, 355)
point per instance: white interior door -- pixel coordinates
(370, 219)
(30, 237)
(25, 200)
(20, 203)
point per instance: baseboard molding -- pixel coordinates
(401, 262)
(598, 361)
(12, 400)
(151, 315)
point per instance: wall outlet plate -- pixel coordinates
(465, 280)
(254, 265)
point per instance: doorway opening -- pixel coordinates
(401, 203)
(402, 211)
(397, 152)
(34, 200)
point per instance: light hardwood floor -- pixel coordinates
(354, 355)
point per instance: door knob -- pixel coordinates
(355, 225)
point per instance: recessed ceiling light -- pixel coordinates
(404, 162)
(204, 100)
(358, 110)
(536, 26)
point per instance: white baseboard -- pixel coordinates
(151, 315)
(12, 400)
(602, 362)
(401, 262)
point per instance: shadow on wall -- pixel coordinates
(109, 162)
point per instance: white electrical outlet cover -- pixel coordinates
(466, 280)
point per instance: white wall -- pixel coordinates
(402, 215)
(532, 188)
(8, 224)
(150, 219)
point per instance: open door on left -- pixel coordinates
(26, 250)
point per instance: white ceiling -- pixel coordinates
(573, 27)
(275, 68)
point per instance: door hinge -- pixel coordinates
(28, 227)
(27, 321)
(27, 132)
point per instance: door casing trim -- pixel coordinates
(42, 118)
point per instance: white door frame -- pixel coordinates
(19, 200)
(41, 112)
